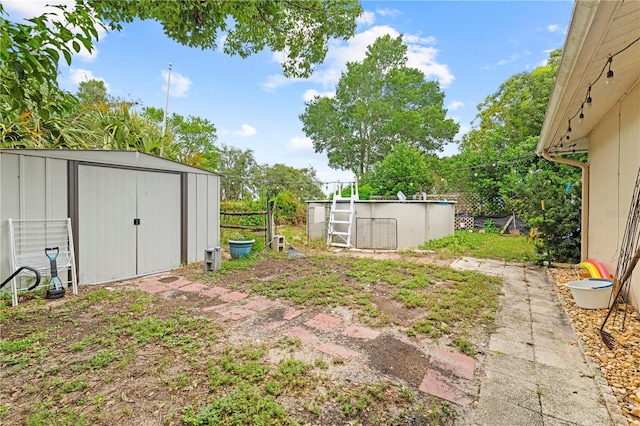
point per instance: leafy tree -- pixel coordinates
(378, 103)
(302, 184)
(405, 169)
(558, 226)
(92, 92)
(30, 52)
(238, 169)
(194, 137)
(500, 149)
(300, 29)
(29, 56)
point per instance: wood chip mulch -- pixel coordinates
(620, 366)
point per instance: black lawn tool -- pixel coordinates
(22, 268)
(56, 291)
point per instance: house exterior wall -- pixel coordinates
(614, 160)
(98, 188)
(417, 221)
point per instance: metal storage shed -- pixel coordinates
(132, 214)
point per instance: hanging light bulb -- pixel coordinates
(610, 79)
(581, 117)
(589, 100)
(569, 127)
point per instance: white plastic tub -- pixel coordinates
(592, 293)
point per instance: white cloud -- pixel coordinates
(179, 84)
(463, 130)
(420, 55)
(388, 12)
(454, 105)
(310, 95)
(77, 75)
(424, 59)
(512, 58)
(367, 18)
(31, 8)
(553, 28)
(245, 131)
(300, 144)
(275, 81)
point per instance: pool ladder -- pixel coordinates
(341, 219)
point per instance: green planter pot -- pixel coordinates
(240, 248)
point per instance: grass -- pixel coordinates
(71, 356)
(512, 248)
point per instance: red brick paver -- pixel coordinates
(193, 287)
(338, 351)
(234, 296)
(361, 332)
(292, 313)
(152, 286)
(259, 305)
(458, 364)
(178, 283)
(323, 322)
(437, 385)
(236, 314)
(215, 291)
(306, 337)
(273, 325)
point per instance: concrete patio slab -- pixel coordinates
(507, 415)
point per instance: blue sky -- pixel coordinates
(470, 47)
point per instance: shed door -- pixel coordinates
(111, 245)
(106, 236)
(159, 229)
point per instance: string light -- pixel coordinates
(589, 100)
(610, 72)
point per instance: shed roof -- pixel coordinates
(134, 159)
(598, 30)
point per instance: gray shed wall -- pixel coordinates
(102, 192)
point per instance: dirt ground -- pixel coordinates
(87, 359)
(117, 355)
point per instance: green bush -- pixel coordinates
(289, 209)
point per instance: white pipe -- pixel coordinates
(584, 220)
